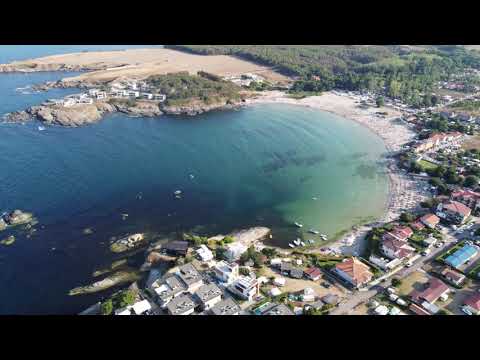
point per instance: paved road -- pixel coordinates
(360, 297)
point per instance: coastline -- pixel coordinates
(404, 193)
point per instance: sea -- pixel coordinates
(263, 165)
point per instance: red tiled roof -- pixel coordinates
(399, 233)
(453, 275)
(466, 195)
(399, 248)
(356, 270)
(457, 207)
(418, 310)
(473, 301)
(417, 225)
(313, 272)
(430, 219)
(436, 288)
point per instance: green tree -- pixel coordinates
(107, 307)
(407, 217)
(471, 181)
(380, 101)
(396, 282)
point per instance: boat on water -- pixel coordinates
(298, 224)
(297, 242)
(303, 244)
(41, 128)
(291, 245)
(311, 231)
(324, 237)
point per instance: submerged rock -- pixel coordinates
(118, 278)
(8, 241)
(19, 217)
(3, 224)
(87, 231)
(114, 266)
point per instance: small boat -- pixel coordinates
(298, 225)
(291, 245)
(324, 237)
(303, 244)
(311, 231)
(314, 198)
(178, 192)
(191, 176)
(297, 242)
(41, 128)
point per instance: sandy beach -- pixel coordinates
(405, 193)
(141, 63)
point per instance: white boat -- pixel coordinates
(178, 192)
(191, 176)
(324, 237)
(303, 244)
(298, 225)
(297, 242)
(311, 231)
(41, 128)
(291, 245)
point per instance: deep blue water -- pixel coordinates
(258, 166)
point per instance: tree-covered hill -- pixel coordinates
(408, 73)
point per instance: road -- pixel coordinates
(360, 297)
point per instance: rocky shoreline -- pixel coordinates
(85, 114)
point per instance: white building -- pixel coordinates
(234, 251)
(141, 307)
(225, 272)
(204, 253)
(245, 287)
(308, 295)
(147, 96)
(159, 97)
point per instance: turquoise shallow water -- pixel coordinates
(261, 165)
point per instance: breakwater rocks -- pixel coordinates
(128, 243)
(118, 278)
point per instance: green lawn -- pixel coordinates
(427, 165)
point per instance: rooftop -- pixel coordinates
(461, 256)
(430, 219)
(435, 289)
(356, 270)
(180, 305)
(473, 301)
(280, 309)
(189, 274)
(457, 207)
(226, 307)
(208, 292)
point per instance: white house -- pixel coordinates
(204, 253)
(234, 251)
(245, 287)
(226, 272)
(141, 307)
(159, 97)
(147, 96)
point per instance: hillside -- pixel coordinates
(405, 72)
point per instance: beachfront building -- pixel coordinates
(226, 272)
(208, 295)
(159, 97)
(226, 307)
(439, 140)
(400, 233)
(204, 253)
(453, 211)
(190, 277)
(354, 272)
(234, 251)
(245, 287)
(384, 264)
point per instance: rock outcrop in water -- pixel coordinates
(128, 243)
(118, 278)
(18, 217)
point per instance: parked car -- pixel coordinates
(466, 311)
